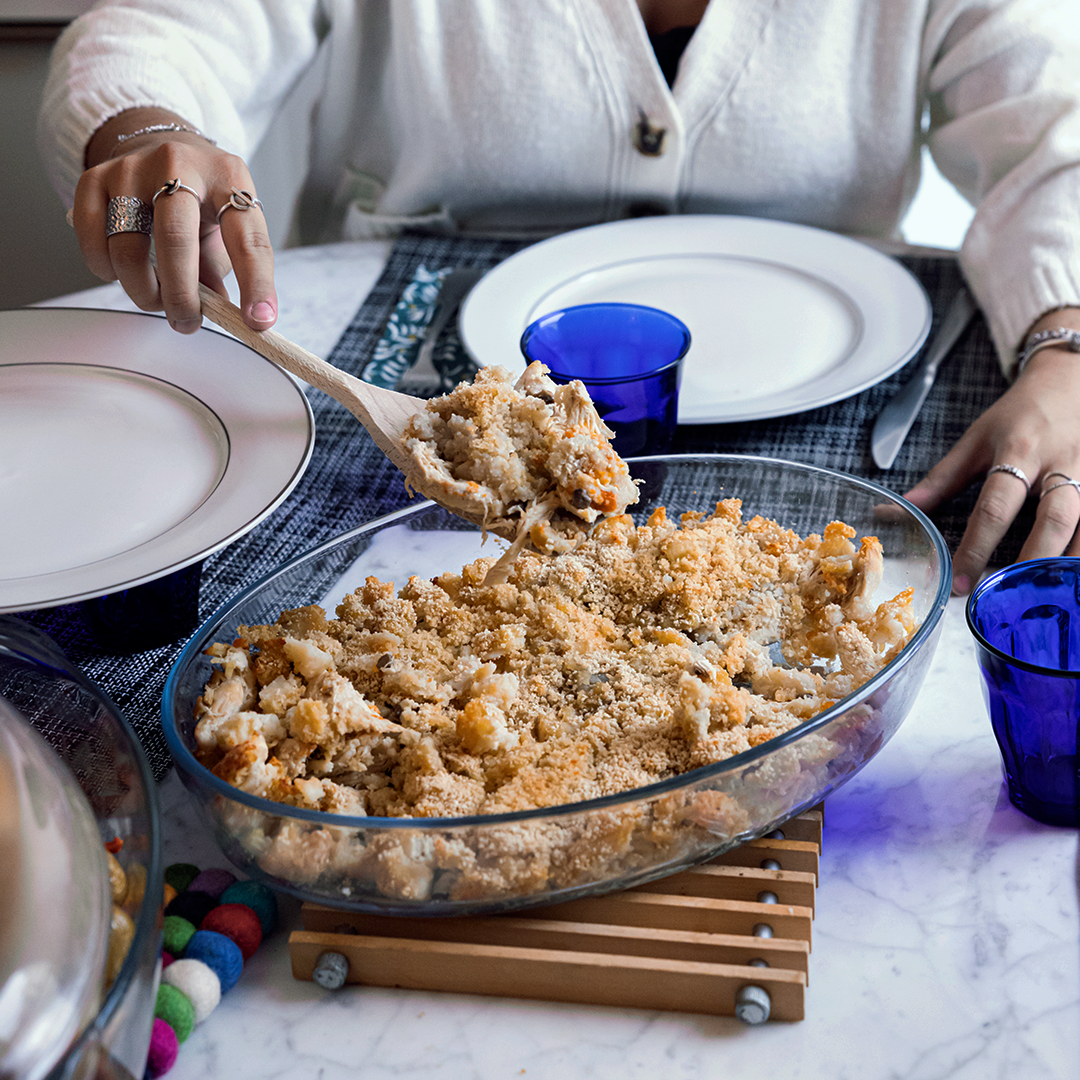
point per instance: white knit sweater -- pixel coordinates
(487, 115)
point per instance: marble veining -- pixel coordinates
(946, 941)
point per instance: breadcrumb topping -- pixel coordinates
(644, 652)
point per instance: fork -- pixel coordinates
(422, 376)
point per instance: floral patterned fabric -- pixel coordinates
(399, 345)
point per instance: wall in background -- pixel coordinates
(39, 256)
(60, 11)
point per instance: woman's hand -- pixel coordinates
(191, 243)
(1034, 427)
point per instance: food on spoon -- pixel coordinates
(640, 655)
(531, 461)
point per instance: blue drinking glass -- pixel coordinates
(630, 359)
(1026, 624)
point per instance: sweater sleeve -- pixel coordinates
(223, 66)
(1003, 82)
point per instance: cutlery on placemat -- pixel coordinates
(422, 376)
(895, 420)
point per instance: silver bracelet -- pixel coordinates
(1060, 335)
(149, 130)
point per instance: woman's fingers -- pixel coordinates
(243, 231)
(129, 253)
(177, 216)
(1024, 444)
(1003, 493)
(1057, 518)
(113, 219)
(214, 265)
(951, 475)
(88, 219)
(185, 184)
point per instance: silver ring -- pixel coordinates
(239, 199)
(1063, 475)
(172, 187)
(1067, 482)
(125, 213)
(1012, 470)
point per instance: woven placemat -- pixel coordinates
(835, 436)
(349, 481)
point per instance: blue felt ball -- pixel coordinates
(259, 898)
(219, 953)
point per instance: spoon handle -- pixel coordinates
(383, 412)
(283, 352)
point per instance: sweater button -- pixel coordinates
(649, 137)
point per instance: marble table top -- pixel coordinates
(946, 942)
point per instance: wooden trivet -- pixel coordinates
(730, 938)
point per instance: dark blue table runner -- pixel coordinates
(349, 481)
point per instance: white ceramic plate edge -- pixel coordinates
(237, 505)
(501, 304)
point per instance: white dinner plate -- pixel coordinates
(782, 317)
(128, 451)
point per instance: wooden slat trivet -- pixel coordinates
(690, 942)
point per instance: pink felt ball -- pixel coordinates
(164, 1047)
(167, 958)
(237, 922)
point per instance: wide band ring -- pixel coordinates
(1012, 470)
(125, 213)
(239, 199)
(172, 187)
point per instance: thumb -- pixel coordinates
(954, 472)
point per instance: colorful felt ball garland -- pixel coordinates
(213, 924)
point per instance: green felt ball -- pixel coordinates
(180, 875)
(175, 934)
(257, 897)
(175, 1008)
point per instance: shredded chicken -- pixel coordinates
(532, 461)
(640, 655)
(645, 652)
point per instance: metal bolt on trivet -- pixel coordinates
(752, 1003)
(331, 970)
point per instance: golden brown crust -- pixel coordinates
(638, 656)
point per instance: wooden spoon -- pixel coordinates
(383, 412)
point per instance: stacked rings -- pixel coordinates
(125, 214)
(1065, 481)
(239, 199)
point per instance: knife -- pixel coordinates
(895, 420)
